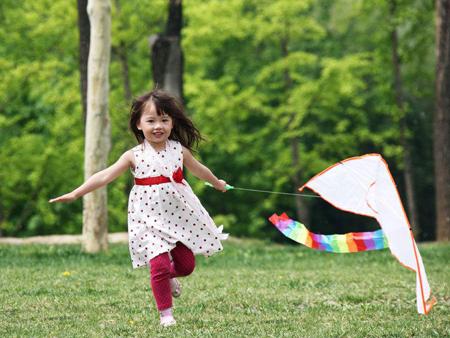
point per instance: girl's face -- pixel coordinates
(156, 128)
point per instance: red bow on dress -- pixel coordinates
(177, 176)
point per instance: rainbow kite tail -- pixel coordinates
(350, 242)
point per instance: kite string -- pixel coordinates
(230, 187)
(276, 192)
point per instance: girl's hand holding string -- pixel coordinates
(220, 185)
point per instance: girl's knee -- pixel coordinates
(187, 267)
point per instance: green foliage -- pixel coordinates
(338, 101)
(252, 289)
(41, 123)
(259, 76)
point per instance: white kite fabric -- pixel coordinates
(364, 185)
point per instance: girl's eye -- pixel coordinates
(151, 121)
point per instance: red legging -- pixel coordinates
(161, 270)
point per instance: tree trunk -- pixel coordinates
(84, 36)
(407, 161)
(121, 51)
(123, 57)
(301, 208)
(97, 142)
(166, 53)
(441, 123)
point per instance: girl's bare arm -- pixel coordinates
(201, 171)
(99, 179)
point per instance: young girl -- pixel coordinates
(167, 224)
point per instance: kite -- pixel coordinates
(364, 185)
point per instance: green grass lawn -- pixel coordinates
(252, 289)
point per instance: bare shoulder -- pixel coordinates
(128, 156)
(186, 152)
(115, 170)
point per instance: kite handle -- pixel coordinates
(227, 187)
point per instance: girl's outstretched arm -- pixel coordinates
(99, 179)
(201, 171)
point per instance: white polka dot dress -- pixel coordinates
(162, 214)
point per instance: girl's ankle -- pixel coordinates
(166, 312)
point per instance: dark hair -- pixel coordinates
(183, 129)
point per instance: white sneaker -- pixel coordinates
(167, 321)
(175, 287)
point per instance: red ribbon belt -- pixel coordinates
(152, 180)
